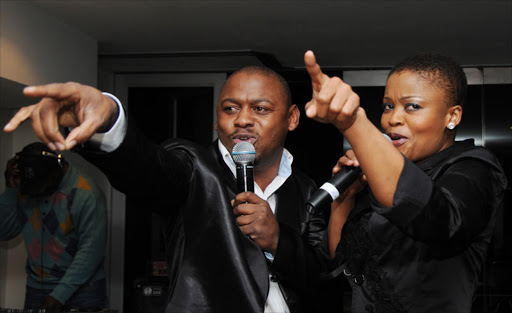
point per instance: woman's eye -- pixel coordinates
(412, 106)
(387, 106)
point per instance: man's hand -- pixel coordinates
(12, 174)
(50, 304)
(256, 220)
(333, 101)
(70, 105)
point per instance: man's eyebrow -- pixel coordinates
(233, 100)
(256, 101)
(253, 101)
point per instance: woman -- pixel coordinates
(412, 234)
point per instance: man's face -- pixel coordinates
(252, 107)
(39, 175)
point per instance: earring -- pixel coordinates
(450, 126)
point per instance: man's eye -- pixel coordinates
(260, 109)
(229, 109)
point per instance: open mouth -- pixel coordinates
(240, 138)
(397, 139)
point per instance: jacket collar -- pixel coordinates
(430, 163)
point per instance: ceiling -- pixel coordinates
(343, 33)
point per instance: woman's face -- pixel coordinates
(415, 115)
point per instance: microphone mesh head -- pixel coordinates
(243, 153)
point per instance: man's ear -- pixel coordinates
(293, 117)
(215, 125)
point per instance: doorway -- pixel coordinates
(163, 106)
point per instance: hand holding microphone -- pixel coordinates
(339, 184)
(243, 155)
(253, 214)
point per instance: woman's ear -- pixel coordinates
(455, 115)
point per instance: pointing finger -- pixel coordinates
(314, 70)
(20, 116)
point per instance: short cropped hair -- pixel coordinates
(265, 71)
(36, 149)
(439, 70)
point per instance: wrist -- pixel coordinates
(273, 249)
(113, 116)
(353, 123)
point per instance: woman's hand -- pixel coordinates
(349, 159)
(341, 207)
(333, 101)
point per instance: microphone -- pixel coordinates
(331, 190)
(244, 154)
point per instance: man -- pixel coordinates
(63, 220)
(251, 252)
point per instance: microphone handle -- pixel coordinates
(345, 177)
(331, 190)
(245, 177)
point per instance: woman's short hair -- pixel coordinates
(439, 70)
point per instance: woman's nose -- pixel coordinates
(396, 117)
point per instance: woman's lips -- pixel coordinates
(398, 142)
(397, 139)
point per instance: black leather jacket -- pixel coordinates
(212, 265)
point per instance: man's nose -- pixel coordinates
(244, 118)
